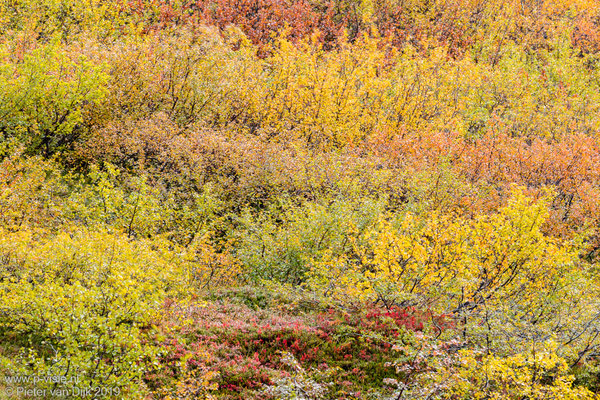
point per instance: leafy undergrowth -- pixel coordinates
(239, 350)
(298, 199)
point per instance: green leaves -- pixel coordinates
(44, 94)
(86, 300)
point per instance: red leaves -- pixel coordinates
(244, 345)
(409, 318)
(261, 19)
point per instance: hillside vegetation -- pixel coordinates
(300, 199)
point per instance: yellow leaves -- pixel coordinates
(333, 97)
(538, 374)
(194, 383)
(500, 261)
(44, 95)
(208, 268)
(27, 192)
(89, 294)
(392, 264)
(92, 17)
(85, 260)
(234, 36)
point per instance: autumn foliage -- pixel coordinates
(301, 199)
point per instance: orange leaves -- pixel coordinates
(572, 165)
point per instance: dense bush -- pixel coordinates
(81, 303)
(301, 199)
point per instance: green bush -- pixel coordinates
(43, 94)
(80, 305)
